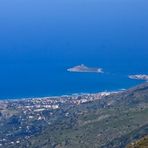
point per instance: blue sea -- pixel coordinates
(41, 39)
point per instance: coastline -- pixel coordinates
(66, 95)
(63, 96)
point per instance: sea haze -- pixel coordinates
(41, 39)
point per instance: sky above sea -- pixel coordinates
(41, 39)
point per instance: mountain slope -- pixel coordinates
(114, 121)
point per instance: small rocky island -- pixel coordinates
(83, 68)
(139, 77)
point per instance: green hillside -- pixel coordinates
(113, 122)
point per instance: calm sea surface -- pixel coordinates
(40, 39)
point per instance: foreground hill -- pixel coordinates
(114, 121)
(142, 143)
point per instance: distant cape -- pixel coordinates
(139, 77)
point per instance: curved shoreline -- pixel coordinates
(63, 96)
(68, 94)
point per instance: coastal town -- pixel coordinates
(27, 116)
(45, 103)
